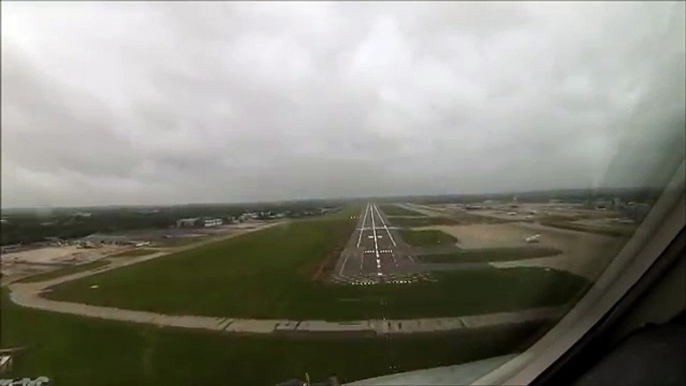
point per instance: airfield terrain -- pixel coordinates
(394, 278)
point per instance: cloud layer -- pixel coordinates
(156, 103)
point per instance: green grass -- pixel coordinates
(410, 222)
(189, 288)
(136, 253)
(251, 275)
(427, 238)
(64, 271)
(490, 255)
(394, 210)
(89, 352)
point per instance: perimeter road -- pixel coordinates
(28, 295)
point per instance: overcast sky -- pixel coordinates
(157, 103)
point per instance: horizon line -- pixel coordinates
(273, 201)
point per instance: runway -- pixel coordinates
(375, 253)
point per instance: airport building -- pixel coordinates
(97, 238)
(187, 222)
(197, 222)
(213, 222)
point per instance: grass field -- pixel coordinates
(136, 253)
(218, 293)
(427, 238)
(394, 210)
(490, 255)
(268, 274)
(410, 222)
(88, 352)
(64, 271)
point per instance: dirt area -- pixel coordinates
(486, 235)
(460, 215)
(45, 259)
(605, 222)
(503, 214)
(583, 253)
(608, 224)
(46, 255)
(529, 211)
(58, 255)
(423, 209)
(175, 237)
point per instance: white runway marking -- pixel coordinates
(343, 265)
(384, 225)
(364, 219)
(376, 244)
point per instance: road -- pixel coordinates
(375, 252)
(28, 295)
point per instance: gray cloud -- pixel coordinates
(186, 102)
